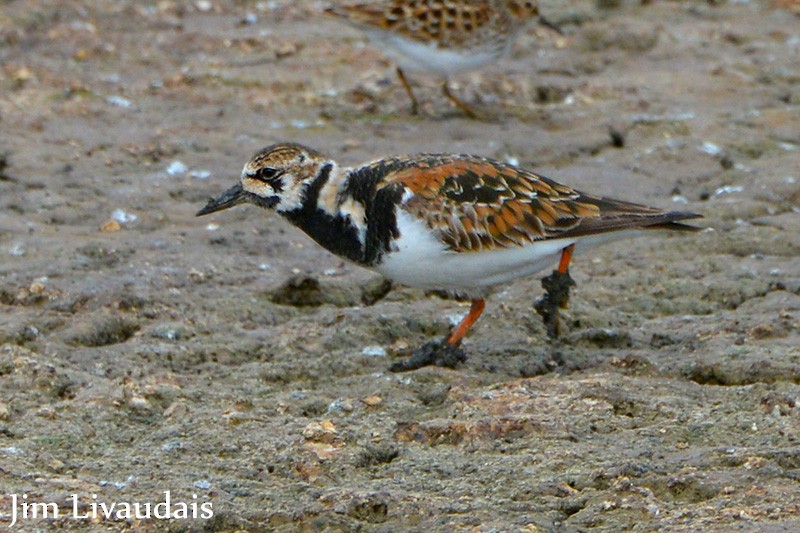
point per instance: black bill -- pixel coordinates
(233, 196)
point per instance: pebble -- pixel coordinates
(119, 101)
(372, 400)
(110, 226)
(176, 410)
(202, 484)
(200, 174)
(176, 167)
(22, 74)
(123, 217)
(374, 351)
(37, 287)
(323, 431)
(728, 189)
(172, 445)
(138, 403)
(711, 148)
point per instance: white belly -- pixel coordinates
(423, 261)
(413, 55)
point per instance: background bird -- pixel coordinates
(440, 36)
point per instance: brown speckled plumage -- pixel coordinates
(474, 203)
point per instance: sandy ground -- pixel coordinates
(145, 350)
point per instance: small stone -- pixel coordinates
(372, 400)
(176, 410)
(400, 345)
(5, 413)
(324, 431)
(22, 75)
(322, 450)
(139, 404)
(285, 50)
(11, 450)
(123, 217)
(373, 351)
(176, 167)
(37, 287)
(46, 412)
(119, 101)
(200, 174)
(762, 331)
(55, 465)
(110, 226)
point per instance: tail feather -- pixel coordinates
(624, 216)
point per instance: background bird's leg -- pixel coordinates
(461, 105)
(556, 296)
(404, 80)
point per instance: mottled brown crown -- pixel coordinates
(280, 156)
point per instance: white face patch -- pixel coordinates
(292, 194)
(257, 187)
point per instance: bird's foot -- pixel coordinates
(434, 353)
(557, 286)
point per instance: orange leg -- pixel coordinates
(566, 257)
(414, 104)
(458, 334)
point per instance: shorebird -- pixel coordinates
(443, 37)
(461, 224)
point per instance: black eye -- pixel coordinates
(265, 174)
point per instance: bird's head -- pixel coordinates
(275, 178)
(523, 10)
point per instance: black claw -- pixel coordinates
(556, 296)
(434, 353)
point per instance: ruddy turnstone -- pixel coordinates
(457, 223)
(440, 36)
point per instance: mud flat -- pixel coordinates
(143, 350)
